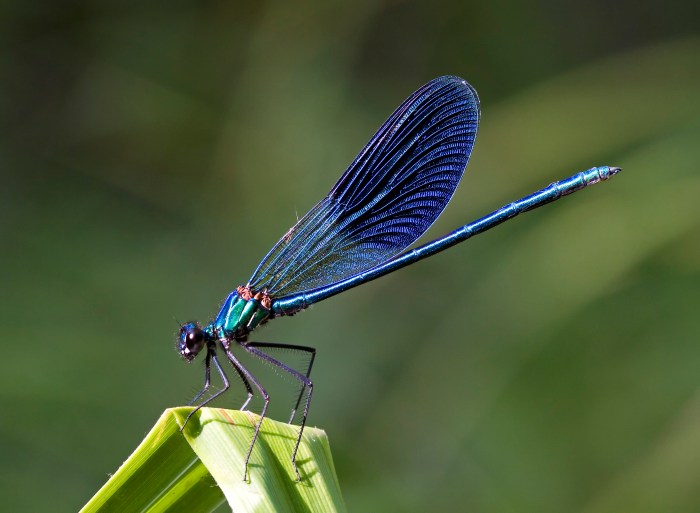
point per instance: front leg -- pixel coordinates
(211, 357)
(207, 378)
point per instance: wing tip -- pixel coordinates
(458, 81)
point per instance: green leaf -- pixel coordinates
(202, 466)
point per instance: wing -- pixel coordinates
(389, 196)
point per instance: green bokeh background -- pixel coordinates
(152, 152)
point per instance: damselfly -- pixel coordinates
(392, 192)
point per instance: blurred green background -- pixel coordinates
(152, 152)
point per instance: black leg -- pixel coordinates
(211, 356)
(207, 379)
(266, 397)
(306, 349)
(248, 388)
(306, 382)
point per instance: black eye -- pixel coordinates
(191, 341)
(194, 338)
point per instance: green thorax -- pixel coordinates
(241, 313)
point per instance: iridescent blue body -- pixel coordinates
(240, 314)
(292, 304)
(389, 196)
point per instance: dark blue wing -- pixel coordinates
(390, 195)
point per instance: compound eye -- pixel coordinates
(191, 340)
(194, 339)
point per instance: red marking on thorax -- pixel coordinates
(246, 293)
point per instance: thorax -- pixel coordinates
(242, 312)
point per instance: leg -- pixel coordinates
(244, 372)
(306, 382)
(207, 379)
(247, 387)
(211, 356)
(207, 383)
(306, 349)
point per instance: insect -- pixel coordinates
(389, 196)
